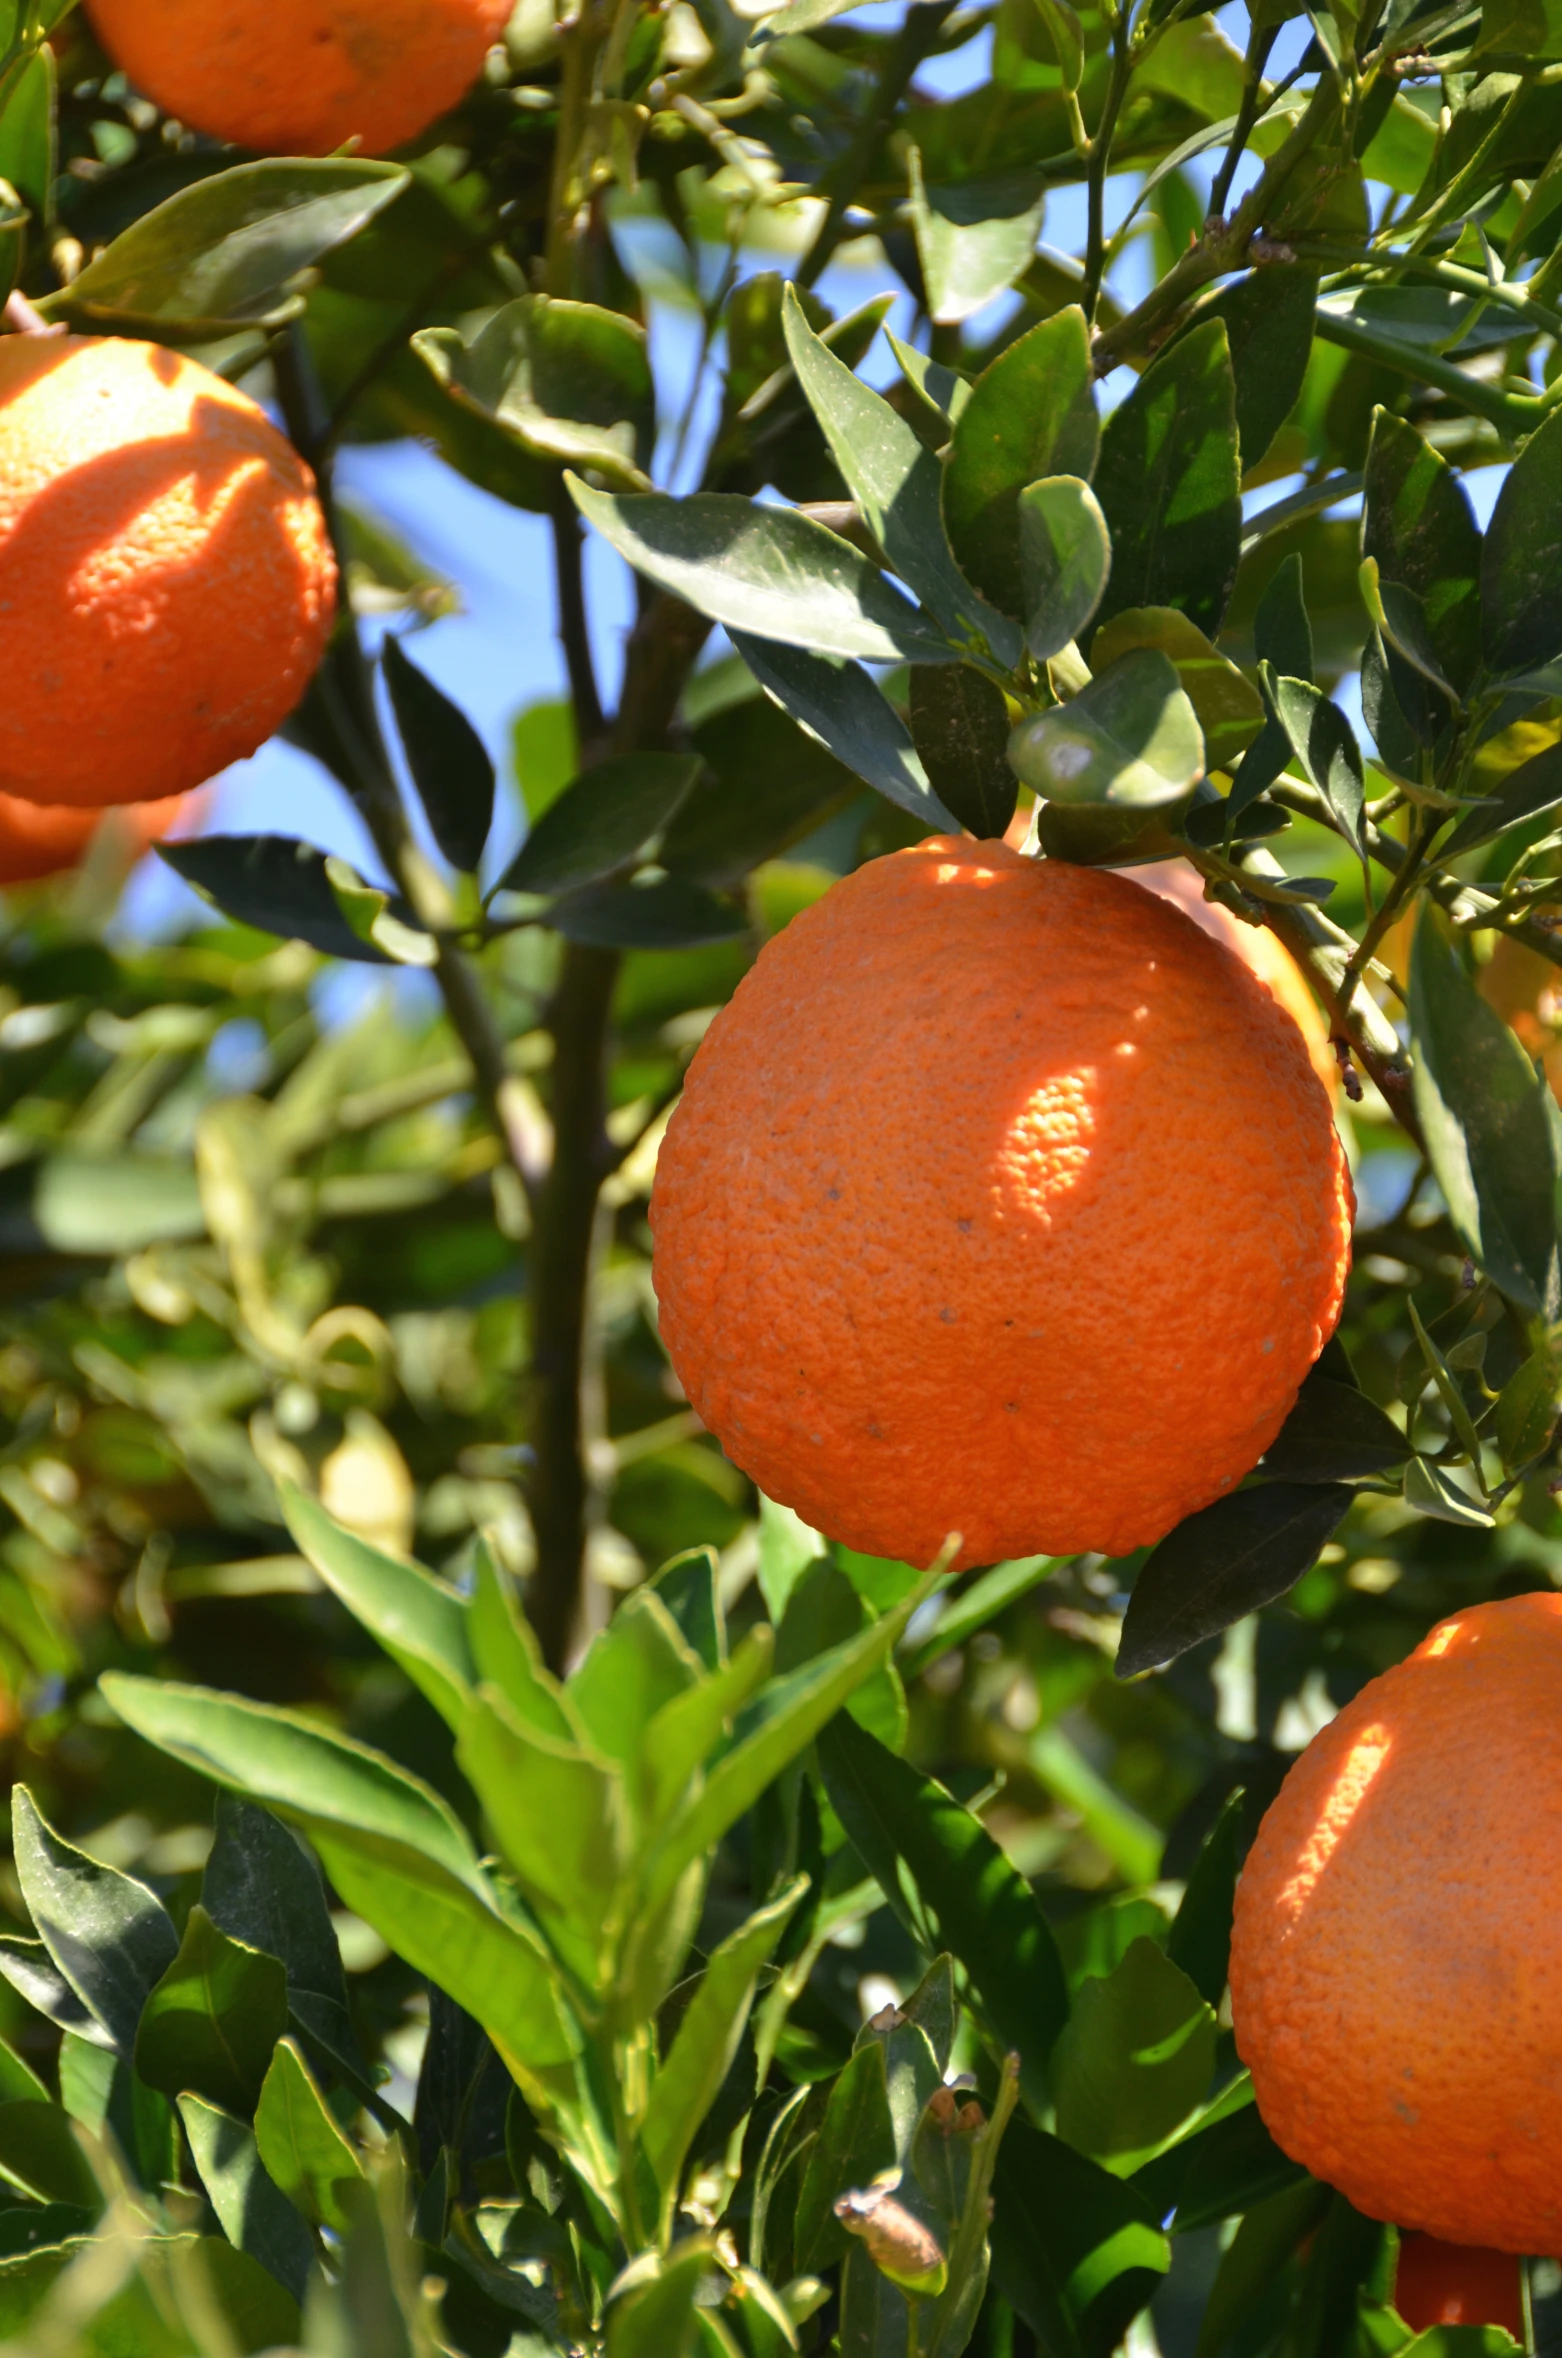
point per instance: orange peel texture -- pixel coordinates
(1396, 1984)
(40, 839)
(166, 579)
(1259, 951)
(299, 77)
(999, 1200)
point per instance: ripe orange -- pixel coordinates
(300, 77)
(1395, 1978)
(40, 839)
(1457, 2284)
(1000, 1200)
(166, 578)
(1258, 949)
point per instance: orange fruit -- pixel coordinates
(300, 77)
(40, 839)
(1457, 2284)
(1396, 1986)
(1000, 1200)
(166, 578)
(1259, 950)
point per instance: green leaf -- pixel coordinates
(839, 703)
(988, 1595)
(1264, 2241)
(300, 2146)
(1269, 330)
(19, 2083)
(824, 1610)
(558, 1819)
(1491, 1126)
(1521, 559)
(187, 2275)
(1134, 2060)
(708, 2038)
(1227, 2164)
(505, 1654)
(1032, 412)
(604, 820)
(686, 1731)
(911, 2072)
(253, 2212)
(262, 1887)
(1223, 1563)
(689, 1586)
(570, 382)
(960, 722)
(1065, 557)
(1200, 1937)
(29, 143)
(974, 1903)
(232, 249)
(1129, 739)
(1282, 634)
(1229, 710)
(32, 1972)
(1528, 792)
(648, 913)
(1418, 524)
(39, 2152)
(856, 2142)
(634, 1666)
(209, 2026)
(1324, 743)
(1074, 2249)
(1528, 1406)
(787, 1546)
(276, 884)
(974, 237)
(449, 762)
(101, 2091)
(655, 2309)
(110, 1937)
(1433, 1491)
(1334, 1434)
(419, 1621)
(1169, 483)
(765, 570)
(942, 392)
(766, 783)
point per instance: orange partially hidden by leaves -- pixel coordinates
(1396, 1984)
(1000, 1200)
(166, 579)
(40, 839)
(300, 77)
(1258, 950)
(1526, 990)
(1457, 2284)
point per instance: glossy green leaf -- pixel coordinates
(109, 1936)
(33, 1974)
(1268, 318)
(603, 821)
(299, 2144)
(1031, 413)
(1492, 1130)
(261, 1886)
(1220, 2169)
(449, 762)
(1129, 739)
(1324, 743)
(839, 703)
(18, 2081)
(419, 1621)
(251, 2208)
(209, 2026)
(942, 391)
(630, 1670)
(856, 2141)
(1417, 522)
(1528, 1406)
(1134, 2060)
(960, 723)
(971, 1900)
(765, 570)
(29, 142)
(823, 1611)
(1227, 707)
(1528, 792)
(557, 1816)
(1065, 557)
(974, 237)
(707, 2039)
(1521, 559)
(39, 2153)
(1334, 1434)
(506, 1654)
(1074, 2249)
(1223, 1563)
(233, 248)
(689, 1586)
(766, 783)
(686, 1731)
(1433, 1490)
(1199, 1940)
(787, 1546)
(649, 913)
(1264, 2241)
(571, 383)
(1169, 484)
(276, 884)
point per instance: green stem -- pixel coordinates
(1099, 163)
(1261, 39)
(1511, 413)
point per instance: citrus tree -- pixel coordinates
(717, 1928)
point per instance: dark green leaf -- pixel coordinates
(32, 1972)
(856, 2141)
(110, 1937)
(1325, 744)
(1031, 413)
(570, 382)
(1226, 2168)
(1269, 328)
(1134, 2059)
(1222, 1563)
(300, 2146)
(960, 723)
(1534, 788)
(1521, 561)
(232, 248)
(1169, 483)
(765, 570)
(656, 2313)
(39, 2153)
(976, 1904)
(1227, 707)
(1065, 557)
(603, 821)
(263, 1888)
(448, 759)
(974, 237)
(558, 1819)
(660, 913)
(1129, 739)
(1527, 1408)
(767, 784)
(276, 884)
(1074, 2249)
(688, 1587)
(1200, 1936)
(840, 705)
(1282, 634)
(251, 2208)
(1264, 2241)
(1334, 1434)
(1491, 1126)
(212, 2021)
(1417, 522)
